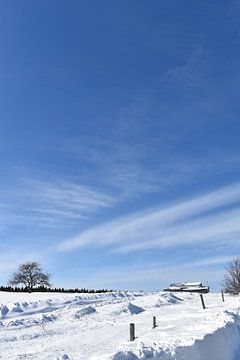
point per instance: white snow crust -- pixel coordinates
(53, 326)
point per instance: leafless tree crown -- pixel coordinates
(30, 275)
(232, 276)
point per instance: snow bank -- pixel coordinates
(96, 326)
(168, 299)
(128, 308)
(30, 304)
(223, 344)
(85, 311)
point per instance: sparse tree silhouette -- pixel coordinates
(30, 275)
(232, 276)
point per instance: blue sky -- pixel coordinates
(119, 140)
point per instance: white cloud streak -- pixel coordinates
(142, 149)
(211, 217)
(50, 203)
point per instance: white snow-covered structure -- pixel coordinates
(191, 287)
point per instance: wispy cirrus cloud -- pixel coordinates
(115, 163)
(50, 203)
(207, 262)
(143, 149)
(130, 168)
(211, 217)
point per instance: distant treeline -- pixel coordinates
(59, 290)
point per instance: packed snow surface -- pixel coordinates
(53, 326)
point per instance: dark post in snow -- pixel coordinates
(154, 322)
(203, 305)
(132, 332)
(222, 295)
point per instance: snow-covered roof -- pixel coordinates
(186, 284)
(188, 287)
(193, 284)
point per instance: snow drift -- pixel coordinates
(168, 299)
(128, 308)
(84, 312)
(223, 344)
(96, 326)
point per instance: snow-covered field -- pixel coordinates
(93, 327)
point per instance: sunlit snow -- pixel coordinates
(96, 326)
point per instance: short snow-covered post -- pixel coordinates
(154, 322)
(203, 304)
(132, 332)
(222, 295)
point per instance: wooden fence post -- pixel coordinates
(132, 332)
(222, 295)
(203, 305)
(154, 322)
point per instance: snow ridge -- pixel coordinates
(43, 326)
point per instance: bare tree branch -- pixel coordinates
(30, 275)
(232, 276)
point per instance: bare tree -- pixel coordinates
(232, 276)
(30, 275)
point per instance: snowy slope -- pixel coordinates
(93, 327)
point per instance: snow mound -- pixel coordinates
(88, 310)
(120, 355)
(64, 357)
(3, 310)
(28, 322)
(16, 308)
(168, 299)
(11, 309)
(128, 308)
(22, 323)
(133, 309)
(47, 318)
